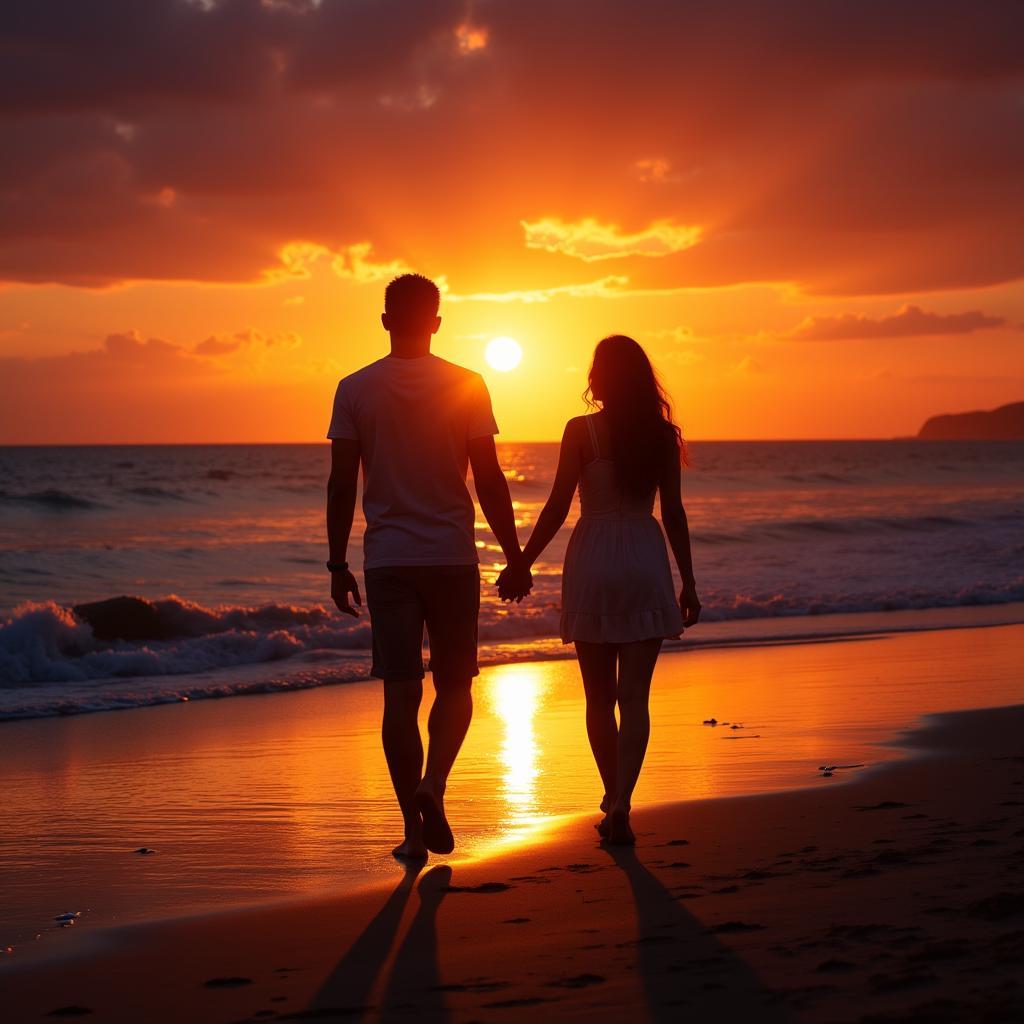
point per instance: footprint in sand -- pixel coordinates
(484, 887)
(577, 981)
(732, 927)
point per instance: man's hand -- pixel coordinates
(514, 583)
(344, 583)
(689, 604)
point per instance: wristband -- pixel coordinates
(337, 566)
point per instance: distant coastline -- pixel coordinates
(1003, 424)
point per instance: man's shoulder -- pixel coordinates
(455, 370)
(361, 376)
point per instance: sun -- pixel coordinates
(503, 354)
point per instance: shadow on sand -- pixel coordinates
(686, 972)
(413, 984)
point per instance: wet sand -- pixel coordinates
(896, 894)
(286, 795)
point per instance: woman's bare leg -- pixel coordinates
(636, 667)
(597, 666)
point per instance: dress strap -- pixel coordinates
(593, 435)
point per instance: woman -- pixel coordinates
(618, 602)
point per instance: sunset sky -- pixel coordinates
(810, 213)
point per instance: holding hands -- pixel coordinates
(515, 581)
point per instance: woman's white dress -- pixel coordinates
(617, 584)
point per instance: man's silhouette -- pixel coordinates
(415, 421)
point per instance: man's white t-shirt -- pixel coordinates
(413, 419)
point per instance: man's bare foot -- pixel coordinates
(437, 834)
(410, 849)
(619, 832)
(602, 827)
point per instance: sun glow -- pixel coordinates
(503, 354)
(516, 701)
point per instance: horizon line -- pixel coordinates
(552, 441)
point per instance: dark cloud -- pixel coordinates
(849, 148)
(142, 388)
(910, 321)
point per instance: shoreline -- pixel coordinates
(868, 900)
(311, 670)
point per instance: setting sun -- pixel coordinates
(503, 354)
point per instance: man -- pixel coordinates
(415, 421)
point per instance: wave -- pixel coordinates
(847, 526)
(51, 499)
(44, 642)
(151, 493)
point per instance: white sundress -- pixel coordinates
(617, 584)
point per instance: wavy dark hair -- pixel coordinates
(623, 384)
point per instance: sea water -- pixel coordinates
(227, 544)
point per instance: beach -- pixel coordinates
(887, 892)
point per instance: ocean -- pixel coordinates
(226, 544)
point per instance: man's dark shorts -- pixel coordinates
(402, 599)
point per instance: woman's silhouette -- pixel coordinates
(618, 601)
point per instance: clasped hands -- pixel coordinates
(515, 581)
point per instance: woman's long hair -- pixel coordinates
(624, 385)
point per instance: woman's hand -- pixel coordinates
(689, 604)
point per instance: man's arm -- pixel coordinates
(495, 500)
(341, 504)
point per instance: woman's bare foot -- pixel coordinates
(619, 832)
(411, 849)
(602, 827)
(437, 833)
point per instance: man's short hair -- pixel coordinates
(412, 299)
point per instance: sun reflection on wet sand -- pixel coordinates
(515, 698)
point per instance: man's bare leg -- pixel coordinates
(447, 727)
(403, 749)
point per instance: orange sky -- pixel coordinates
(808, 213)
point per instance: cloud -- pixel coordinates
(470, 38)
(654, 170)
(748, 366)
(133, 387)
(842, 150)
(605, 287)
(227, 344)
(353, 262)
(590, 241)
(910, 321)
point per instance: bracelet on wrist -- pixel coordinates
(337, 566)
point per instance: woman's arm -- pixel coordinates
(567, 476)
(673, 518)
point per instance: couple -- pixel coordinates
(415, 423)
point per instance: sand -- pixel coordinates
(894, 895)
